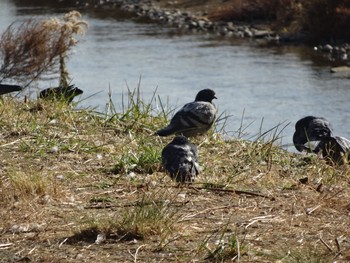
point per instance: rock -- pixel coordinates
(341, 69)
(327, 48)
(239, 34)
(24, 228)
(230, 26)
(100, 238)
(260, 33)
(201, 24)
(193, 24)
(247, 32)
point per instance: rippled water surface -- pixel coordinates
(270, 85)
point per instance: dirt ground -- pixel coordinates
(261, 214)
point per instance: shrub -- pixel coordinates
(38, 47)
(326, 19)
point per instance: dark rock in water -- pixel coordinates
(65, 94)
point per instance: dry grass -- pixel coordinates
(37, 49)
(81, 186)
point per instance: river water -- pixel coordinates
(270, 85)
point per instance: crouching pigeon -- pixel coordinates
(334, 149)
(193, 118)
(180, 160)
(310, 129)
(315, 134)
(65, 94)
(5, 88)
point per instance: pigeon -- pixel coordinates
(315, 134)
(310, 129)
(335, 150)
(4, 88)
(180, 160)
(66, 94)
(193, 118)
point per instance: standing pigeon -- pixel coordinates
(65, 94)
(180, 160)
(4, 88)
(194, 118)
(310, 129)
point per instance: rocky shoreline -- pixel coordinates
(199, 23)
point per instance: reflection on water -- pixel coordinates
(269, 84)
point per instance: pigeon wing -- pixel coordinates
(194, 152)
(171, 156)
(343, 143)
(193, 118)
(180, 162)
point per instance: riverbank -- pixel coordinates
(252, 22)
(77, 185)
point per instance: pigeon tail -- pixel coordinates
(164, 132)
(334, 149)
(6, 88)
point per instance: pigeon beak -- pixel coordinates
(215, 97)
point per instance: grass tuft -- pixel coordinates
(20, 186)
(149, 216)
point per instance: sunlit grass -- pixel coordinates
(151, 215)
(30, 185)
(97, 176)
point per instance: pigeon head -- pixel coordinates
(310, 128)
(75, 91)
(180, 140)
(304, 123)
(206, 95)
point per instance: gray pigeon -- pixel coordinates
(310, 130)
(334, 149)
(4, 88)
(180, 160)
(66, 94)
(194, 118)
